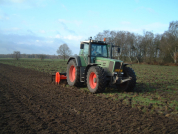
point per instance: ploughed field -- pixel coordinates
(30, 103)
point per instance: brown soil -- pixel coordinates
(29, 103)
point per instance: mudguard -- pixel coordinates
(77, 59)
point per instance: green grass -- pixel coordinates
(47, 65)
(157, 85)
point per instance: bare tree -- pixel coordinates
(42, 56)
(168, 47)
(64, 51)
(17, 55)
(99, 36)
(173, 29)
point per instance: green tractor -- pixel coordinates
(95, 68)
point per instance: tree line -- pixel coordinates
(16, 55)
(147, 48)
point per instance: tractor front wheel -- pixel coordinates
(96, 79)
(73, 74)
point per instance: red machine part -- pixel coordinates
(59, 77)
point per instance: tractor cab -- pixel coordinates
(93, 49)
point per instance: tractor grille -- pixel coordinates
(117, 65)
(111, 64)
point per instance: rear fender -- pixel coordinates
(77, 59)
(89, 65)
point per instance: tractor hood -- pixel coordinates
(109, 65)
(98, 59)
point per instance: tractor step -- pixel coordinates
(58, 77)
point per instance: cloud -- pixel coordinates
(10, 30)
(62, 22)
(29, 44)
(30, 32)
(69, 37)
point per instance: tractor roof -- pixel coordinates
(94, 41)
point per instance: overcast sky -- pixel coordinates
(41, 26)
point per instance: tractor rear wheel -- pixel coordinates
(73, 74)
(129, 85)
(96, 79)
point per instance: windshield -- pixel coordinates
(99, 50)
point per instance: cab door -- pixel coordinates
(85, 53)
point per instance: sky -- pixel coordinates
(41, 26)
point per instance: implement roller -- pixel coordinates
(58, 77)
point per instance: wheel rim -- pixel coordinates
(92, 80)
(72, 73)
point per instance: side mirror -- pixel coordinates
(118, 50)
(81, 46)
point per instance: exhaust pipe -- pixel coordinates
(111, 51)
(89, 57)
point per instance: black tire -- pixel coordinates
(100, 79)
(129, 85)
(75, 80)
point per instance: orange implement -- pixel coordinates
(59, 77)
